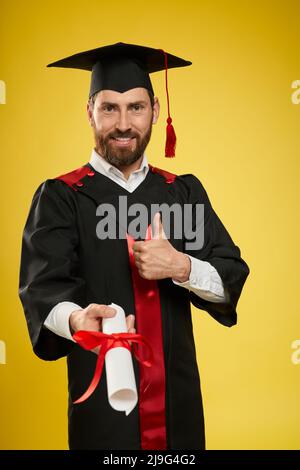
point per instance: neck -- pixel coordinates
(128, 169)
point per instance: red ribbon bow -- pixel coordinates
(91, 339)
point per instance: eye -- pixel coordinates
(108, 108)
(137, 107)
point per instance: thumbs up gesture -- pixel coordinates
(158, 259)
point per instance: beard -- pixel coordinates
(121, 157)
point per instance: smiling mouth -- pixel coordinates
(122, 140)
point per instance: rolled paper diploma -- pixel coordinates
(121, 385)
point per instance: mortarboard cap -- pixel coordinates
(121, 67)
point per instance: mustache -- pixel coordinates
(125, 135)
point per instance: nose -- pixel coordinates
(123, 124)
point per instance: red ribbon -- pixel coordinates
(152, 405)
(91, 339)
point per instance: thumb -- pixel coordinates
(130, 322)
(158, 230)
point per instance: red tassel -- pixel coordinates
(171, 136)
(171, 139)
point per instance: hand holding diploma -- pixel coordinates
(113, 345)
(91, 318)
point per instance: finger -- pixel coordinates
(137, 258)
(137, 246)
(130, 319)
(104, 311)
(132, 330)
(158, 230)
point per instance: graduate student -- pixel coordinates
(71, 270)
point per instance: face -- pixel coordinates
(122, 124)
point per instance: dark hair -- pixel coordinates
(151, 96)
(92, 99)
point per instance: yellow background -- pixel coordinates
(237, 130)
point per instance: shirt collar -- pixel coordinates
(102, 166)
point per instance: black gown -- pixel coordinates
(63, 260)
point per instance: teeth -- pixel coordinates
(123, 139)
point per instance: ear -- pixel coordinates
(89, 110)
(156, 109)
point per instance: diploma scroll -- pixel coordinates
(121, 385)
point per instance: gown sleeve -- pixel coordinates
(49, 271)
(221, 252)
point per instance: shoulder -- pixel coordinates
(74, 177)
(168, 177)
(62, 187)
(187, 179)
(187, 184)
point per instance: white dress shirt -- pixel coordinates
(204, 280)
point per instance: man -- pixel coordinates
(71, 271)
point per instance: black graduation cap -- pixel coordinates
(121, 67)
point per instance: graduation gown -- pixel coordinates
(63, 260)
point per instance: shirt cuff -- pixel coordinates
(58, 319)
(204, 281)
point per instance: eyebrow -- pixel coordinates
(110, 103)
